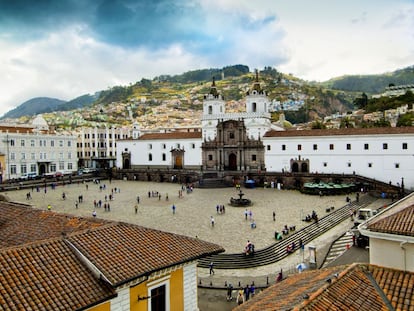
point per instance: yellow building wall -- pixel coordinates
(3, 166)
(176, 293)
(177, 290)
(106, 306)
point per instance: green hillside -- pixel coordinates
(372, 84)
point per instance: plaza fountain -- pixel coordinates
(240, 201)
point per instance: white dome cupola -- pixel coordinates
(256, 99)
(213, 102)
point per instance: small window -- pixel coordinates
(299, 147)
(283, 147)
(231, 135)
(253, 157)
(405, 146)
(22, 143)
(149, 157)
(149, 146)
(164, 146)
(164, 157)
(193, 146)
(369, 164)
(366, 146)
(331, 147)
(385, 146)
(325, 164)
(349, 164)
(315, 147)
(397, 165)
(210, 157)
(348, 146)
(268, 147)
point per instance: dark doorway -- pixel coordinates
(232, 162)
(42, 169)
(295, 167)
(304, 168)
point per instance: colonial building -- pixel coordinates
(52, 261)
(96, 147)
(256, 118)
(385, 154)
(392, 232)
(232, 150)
(36, 150)
(247, 141)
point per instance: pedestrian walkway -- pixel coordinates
(295, 240)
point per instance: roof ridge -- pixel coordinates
(379, 290)
(329, 282)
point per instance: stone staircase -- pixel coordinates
(338, 247)
(277, 251)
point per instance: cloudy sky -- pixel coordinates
(67, 48)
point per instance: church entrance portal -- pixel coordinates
(232, 162)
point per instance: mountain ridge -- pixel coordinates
(195, 82)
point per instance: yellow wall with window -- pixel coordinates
(176, 292)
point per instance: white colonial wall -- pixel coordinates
(190, 286)
(141, 150)
(387, 165)
(402, 253)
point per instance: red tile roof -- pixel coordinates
(344, 131)
(123, 251)
(21, 224)
(401, 223)
(172, 135)
(356, 287)
(40, 271)
(47, 276)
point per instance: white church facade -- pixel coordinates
(248, 141)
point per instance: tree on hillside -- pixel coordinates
(362, 101)
(406, 119)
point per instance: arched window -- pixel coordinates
(164, 157)
(254, 107)
(149, 156)
(210, 109)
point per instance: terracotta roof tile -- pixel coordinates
(401, 223)
(345, 131)
(357, 287)
(172, 135)
(47, 276)
(21, 223)
(123, 251)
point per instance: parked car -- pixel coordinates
(28, 176)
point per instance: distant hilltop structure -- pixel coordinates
(396, 90)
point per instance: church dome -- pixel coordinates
(40, 123)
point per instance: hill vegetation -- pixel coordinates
(185, 92)
(372, 84)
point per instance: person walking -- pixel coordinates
(211, 266)
(274, 216)
(212, 221)
(173, 208)
(136, 208)
(240, 296)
